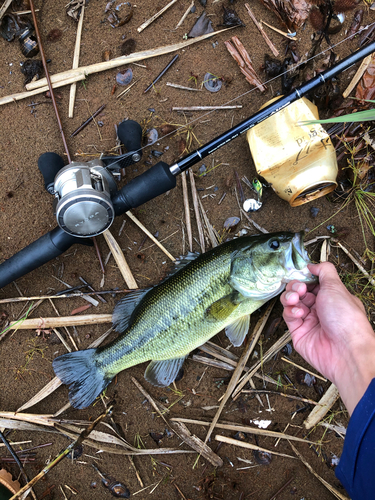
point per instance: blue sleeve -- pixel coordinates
(356, 469)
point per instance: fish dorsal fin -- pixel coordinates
(163, 373)
(222, 308)
(125, 308)
(181, 262)
(237, 331)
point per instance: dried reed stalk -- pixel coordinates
(250, 345)
(4, 7)
(282, 341)
(249, 446)
(45, 323)
(77, 47)
(84, 71)
(120, 260)
(243, 428)
(155, 16)
(274, 50)
(325, 404)
(151, 236)
(182, 87)
(182, 431)
(185, 195)
(283, 358)
(185, 15)
(204, 108)
(196, 210)
(210, 230)
(333, 490)
(257, 226)
(359, 73)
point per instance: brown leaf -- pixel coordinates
(291, 13)
(80, 309)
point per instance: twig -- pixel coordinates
(187, 211)
(155, 16)
(181, 87)
(83, 435)
(333, 490)
(287, 35)
(304, 369)
(263, 33)
(356, 262)
(282, 488)
(196, 210)
(251, 343)
(50, 88)
(210, 230)
(257, 226)
(67, 331)
(151, 236)
(275, 393)
(121, 94)
(86, 122)
(162, 73)
(120, 260)
(242, 444)
(73, 87)
(62, 296)
(185, 15)
(325, 404)
(203, 108)
(45, 323)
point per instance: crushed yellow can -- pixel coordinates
(298, 161)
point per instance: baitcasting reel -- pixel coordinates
(83, 190)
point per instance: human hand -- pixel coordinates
(330, 330)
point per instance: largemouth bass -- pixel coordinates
(205, 294)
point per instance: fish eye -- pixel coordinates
(274, 244)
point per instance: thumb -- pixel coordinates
(326, 273)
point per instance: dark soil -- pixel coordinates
(26, 213)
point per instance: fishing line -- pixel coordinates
(208, 113)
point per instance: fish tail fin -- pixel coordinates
(80, 371)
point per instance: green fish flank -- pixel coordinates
(216, 290)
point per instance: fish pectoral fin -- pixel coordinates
(163, 373)
(222, 308)
(237, 331)
(125, 308)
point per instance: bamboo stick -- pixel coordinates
(84, 71)
(34, 323)
(73, 87)
(151, 236)
(120, 260)
(155, 16)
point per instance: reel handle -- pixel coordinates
(130, 134)
(42, 250)
(49, 165)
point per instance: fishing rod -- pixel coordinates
(86, 196)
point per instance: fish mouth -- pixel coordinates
(296, 261)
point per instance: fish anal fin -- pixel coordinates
(125, 308)
(237, 331)
(224, 307)
(163, 373)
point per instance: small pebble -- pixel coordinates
(193, 9)
(314, 211)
